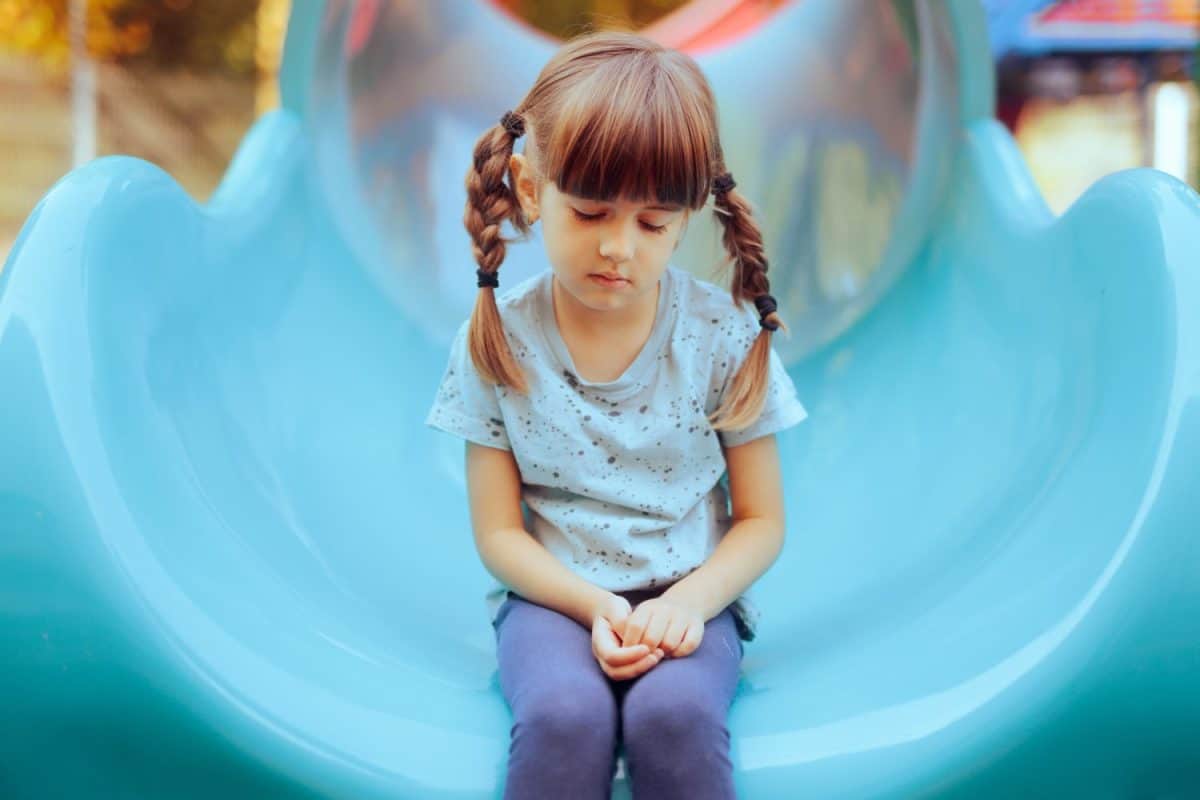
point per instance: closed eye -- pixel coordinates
(592, 217)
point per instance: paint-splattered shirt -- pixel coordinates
(623, 481)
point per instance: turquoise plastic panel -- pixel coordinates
(233, 562)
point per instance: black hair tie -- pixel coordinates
(513, 123)
(723, 184)
(766, 305)
(486, 278)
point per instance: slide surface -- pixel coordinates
(233, 561)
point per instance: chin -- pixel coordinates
(599, 301)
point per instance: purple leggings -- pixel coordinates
(569, 718)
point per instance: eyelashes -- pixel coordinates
(592, 217)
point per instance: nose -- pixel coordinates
(616, 243)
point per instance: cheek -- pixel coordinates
(564, 247)
(664, 243)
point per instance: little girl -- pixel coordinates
(609, 396)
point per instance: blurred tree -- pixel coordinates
(1196, 115)
(203, 35)
(704, 23)
(271, 29)
(565, 17)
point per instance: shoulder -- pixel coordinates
(517, 307)
(520, 299)
(710, 313)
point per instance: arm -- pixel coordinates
(755, 539)
(508, 551)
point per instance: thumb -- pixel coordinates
(618, 622)
(616, 612)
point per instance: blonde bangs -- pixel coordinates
(625, 132)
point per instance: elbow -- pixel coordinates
(485, 541)
(777, 534)
(767, 529)
(491, 540)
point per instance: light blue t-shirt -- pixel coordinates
(621, 480)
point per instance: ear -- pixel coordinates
(524, 185)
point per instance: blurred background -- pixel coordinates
(1086, 86)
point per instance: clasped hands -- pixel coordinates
(628, 642)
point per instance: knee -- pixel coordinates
(574, 717)
(664, 717)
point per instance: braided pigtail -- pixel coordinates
(490, 201)
(747, 392)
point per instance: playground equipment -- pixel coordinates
(235, 563)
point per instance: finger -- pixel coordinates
(622, 656)
(632, 670)
(691, 641)
(608, 648)
(635, 625)
(603, 639)
(673, 637)
(655, 628)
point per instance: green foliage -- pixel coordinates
(201, 35)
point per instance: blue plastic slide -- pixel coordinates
(234, 562)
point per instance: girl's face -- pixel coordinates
(587, 240)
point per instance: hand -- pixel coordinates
(665, 623)
(618, 661)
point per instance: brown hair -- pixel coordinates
(613, 115)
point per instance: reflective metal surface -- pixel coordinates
(836, 118)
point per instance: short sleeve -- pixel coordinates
(782, 408)
(466, 405)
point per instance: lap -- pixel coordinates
(706, 678)
(543, 654)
